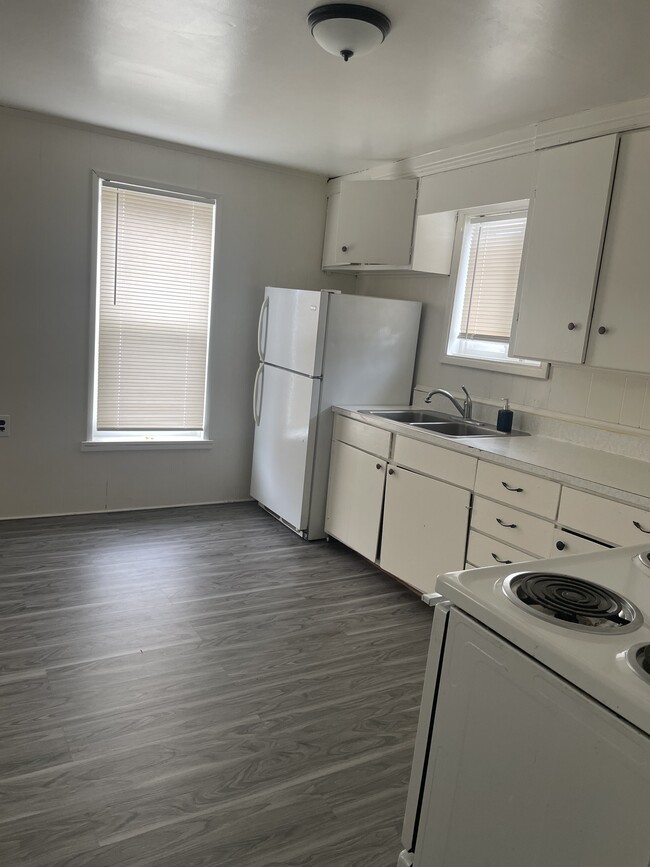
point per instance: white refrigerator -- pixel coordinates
(317, 349)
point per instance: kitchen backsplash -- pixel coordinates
(558, 425)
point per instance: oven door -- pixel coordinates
(423, 736)
(525, 769)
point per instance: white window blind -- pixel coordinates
(495, 247)
(155, 276)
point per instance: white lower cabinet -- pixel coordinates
(602, 519)
(354, 498)
(515, 528)
(408, 502)
(425, 528)
(566, 543)
(486, 551)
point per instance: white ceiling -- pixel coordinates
(245, 77)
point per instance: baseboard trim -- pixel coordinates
(125, 509)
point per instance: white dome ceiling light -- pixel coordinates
(348, 30)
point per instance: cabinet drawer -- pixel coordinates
(518, 489)
(604, 519)
(565, 544)
(512, 526)
(362, 436)
(435, 461)
(482, 551)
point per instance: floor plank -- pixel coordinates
(199, 686)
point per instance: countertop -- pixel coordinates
(620, 478)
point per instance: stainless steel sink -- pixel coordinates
(440, 423)
(410, 416)
(459, 429)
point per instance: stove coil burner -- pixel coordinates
(572, 602)
(639, 659)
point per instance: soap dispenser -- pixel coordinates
(504, 417)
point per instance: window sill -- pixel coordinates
(499, 366)
(139, 445)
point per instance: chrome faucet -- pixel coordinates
(465, 409)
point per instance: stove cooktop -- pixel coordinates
(586, 617)
(572, 602)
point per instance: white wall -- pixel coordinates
(578, 391)
(270, 232)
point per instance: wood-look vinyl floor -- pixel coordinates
(200, 687)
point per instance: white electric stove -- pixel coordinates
(533, 744)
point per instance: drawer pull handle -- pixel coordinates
(499, 560)
(513, 490)
(504, 524)
(639, 527)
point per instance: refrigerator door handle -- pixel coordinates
(263, 308)
(257, 415)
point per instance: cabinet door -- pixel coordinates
(331, 246)
(373, 223)
(354, 498)
(425, 528)
(619, 331)
(564, 236)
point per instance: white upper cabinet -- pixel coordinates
(371, 225)
(564, 239)
(619, 330)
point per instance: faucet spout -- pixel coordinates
(465, 408)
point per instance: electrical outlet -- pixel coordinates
(5, 425)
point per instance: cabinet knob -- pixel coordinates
(603, 330)
(560, 546)
(391, 472)
(571, 326)
(378, 466)
(344, 248)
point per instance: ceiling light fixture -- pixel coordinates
(348, 30)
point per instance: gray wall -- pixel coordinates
(270, 232)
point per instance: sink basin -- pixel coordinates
(439, 423)
(458, 429)
(411, 416)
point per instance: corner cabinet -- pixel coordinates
(372, 225)
(562, 250)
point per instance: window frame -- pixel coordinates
(454, 306)
(141, 439)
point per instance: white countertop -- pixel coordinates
(620, 478)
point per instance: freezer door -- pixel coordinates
(292, 329)
(286, 409)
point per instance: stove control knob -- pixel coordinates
(560, 546)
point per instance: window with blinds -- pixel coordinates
(485, 274)
(494, 248)
(155, 253)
